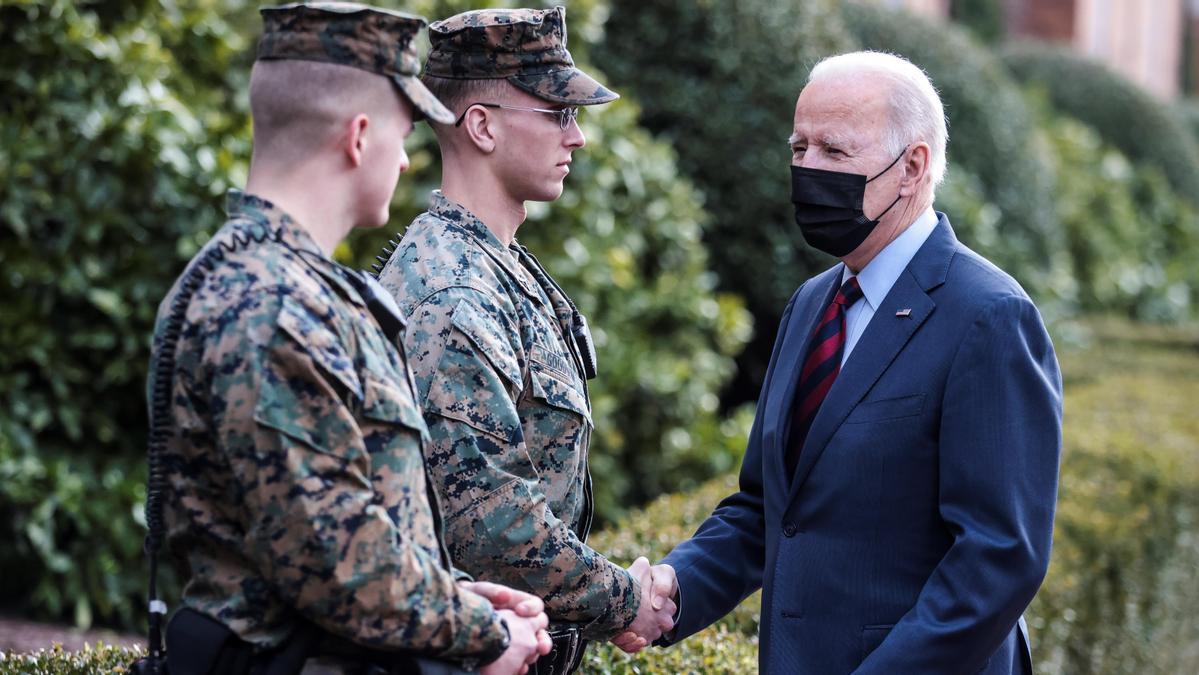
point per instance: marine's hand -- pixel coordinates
(503, 597)
(528, 641)
(656, 613)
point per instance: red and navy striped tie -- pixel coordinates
(820, 368)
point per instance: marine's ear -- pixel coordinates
(479, 126)
(354, 139)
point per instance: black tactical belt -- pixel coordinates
(567, 653)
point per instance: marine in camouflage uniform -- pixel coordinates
(499, 374)
(296, 474)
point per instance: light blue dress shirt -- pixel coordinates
(879, 275)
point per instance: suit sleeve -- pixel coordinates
(499, 525)
(334, 533)
(722, 563)
(1000, 446)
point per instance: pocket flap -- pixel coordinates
(385, 402)
(483, 332)
(873, 636)
(320, 342)
(548, 387)
(887, 409)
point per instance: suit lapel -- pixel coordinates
(883, 339)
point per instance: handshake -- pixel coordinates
(655, 616)
(527, 622)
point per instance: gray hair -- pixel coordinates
(916, 110)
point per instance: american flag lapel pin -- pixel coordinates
(906, 311)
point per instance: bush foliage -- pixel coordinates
(1133, 264)
(718, 81)
(114, 150)
(1123, 114)
(984, 18)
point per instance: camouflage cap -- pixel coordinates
(525, 46)
(350, 34)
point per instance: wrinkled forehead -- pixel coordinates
(846, 109)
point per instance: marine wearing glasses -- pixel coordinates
(565, 115)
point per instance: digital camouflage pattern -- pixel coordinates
(525, 46)
(349, 34)
(297, 483)
(498, 378)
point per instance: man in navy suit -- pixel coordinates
(897, 495)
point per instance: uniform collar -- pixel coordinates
(256, 216)
(458, 217)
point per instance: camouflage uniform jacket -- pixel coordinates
(297, 485)
(500, 385)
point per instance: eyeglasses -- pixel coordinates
(565, 115)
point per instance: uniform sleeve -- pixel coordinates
(333, 537)
(498, 523)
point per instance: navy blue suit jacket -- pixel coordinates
(917, 525)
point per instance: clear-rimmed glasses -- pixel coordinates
(565, 115)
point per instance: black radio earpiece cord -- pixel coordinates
(160, 419)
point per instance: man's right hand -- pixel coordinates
(527, 642)
(657, 586)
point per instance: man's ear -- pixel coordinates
(480, 128)
(354, 140)
(915, 168)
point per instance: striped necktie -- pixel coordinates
(820, 368)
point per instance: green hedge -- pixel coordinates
(1128, 234)
(1188, 110)
(91, 660)
(1120, 595)
(984, 18)
(1126, 116)
(992, 139)
(718, 81)
(115, 148)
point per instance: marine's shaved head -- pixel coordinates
(299, 106)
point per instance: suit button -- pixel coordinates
(789, 530)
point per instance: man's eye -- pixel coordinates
(797, 150)
(835, 151)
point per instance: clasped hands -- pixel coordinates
(527, 622)
(655, 616)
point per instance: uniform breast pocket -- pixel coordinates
(392, 404)
(886, 409)
(557, 425)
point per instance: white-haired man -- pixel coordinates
(897, 495)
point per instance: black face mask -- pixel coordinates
(828, 208)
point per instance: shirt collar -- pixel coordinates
(447, 209)
(256, 216)
(459, 217)
(880, 274)
(249, 211)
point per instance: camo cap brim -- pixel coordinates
(527, 47)
(376, 40)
